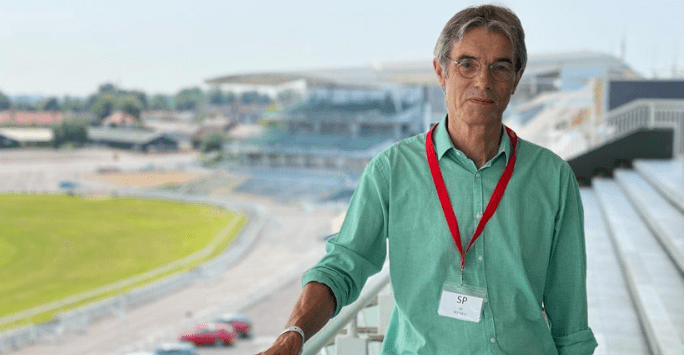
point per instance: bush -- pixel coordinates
(212, 141)
(71, 130)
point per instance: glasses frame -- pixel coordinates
(476, 62)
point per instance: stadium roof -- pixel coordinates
(414, 72)
(370, 75)
(552, 62)
(283, 141)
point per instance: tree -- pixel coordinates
(5, 102)
(73, 104)
(249, 97)
(130, 105)
(71, 130)
(141, 96)
(50, 104)
(229, 97)
(188, 99)
(289, 97)
(160, 102)
(107, 88)
(211, 141)
(216, 97)
(387, 105)
(103, 106)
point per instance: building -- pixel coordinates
(26, 137)
(30, 118)
(120, 119)
(336, 127)
(131, 139)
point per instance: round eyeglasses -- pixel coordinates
(470, 67)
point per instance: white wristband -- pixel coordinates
(297, 329)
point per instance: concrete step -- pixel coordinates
(665, 221)
(654, 282)
(667, 176)
(612, 315)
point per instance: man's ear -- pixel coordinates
(441, 74)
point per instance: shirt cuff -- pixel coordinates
(321, 277)
(579, 343)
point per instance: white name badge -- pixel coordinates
(460, 305)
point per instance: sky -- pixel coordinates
(71, 47)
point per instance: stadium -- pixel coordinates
(622, 134)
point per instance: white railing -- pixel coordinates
(626, 119)
(650, 113)
(78, 319)
(347, 318)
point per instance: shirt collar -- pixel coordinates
(443, 142)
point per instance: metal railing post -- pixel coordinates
(348, 314)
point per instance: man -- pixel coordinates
(485, 230)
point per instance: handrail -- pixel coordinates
(325, 336)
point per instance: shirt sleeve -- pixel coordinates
(359, 249)
(565, 294)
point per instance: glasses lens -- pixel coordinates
(468, 67)
(502, 71)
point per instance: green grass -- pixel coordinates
(55, 246)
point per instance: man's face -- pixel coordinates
(482, 99)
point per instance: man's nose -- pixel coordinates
(483, 79)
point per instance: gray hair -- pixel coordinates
(489, 17)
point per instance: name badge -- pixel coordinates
(462, 303)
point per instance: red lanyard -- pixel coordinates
(446, 202)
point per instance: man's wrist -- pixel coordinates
(297, 330)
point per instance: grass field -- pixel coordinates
(55, 246)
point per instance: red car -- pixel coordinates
(209, 334)
(239, 322)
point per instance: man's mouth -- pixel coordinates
(482, 101)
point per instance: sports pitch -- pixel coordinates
(56, 246)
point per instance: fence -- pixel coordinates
(78, 319)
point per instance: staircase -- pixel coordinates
(635, 258)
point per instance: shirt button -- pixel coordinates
(477, 174)
(492, 340)
(478, 216)
(479, 257)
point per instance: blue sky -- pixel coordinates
(71, 47)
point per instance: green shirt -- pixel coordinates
(530, 257)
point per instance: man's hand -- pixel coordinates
(313, 309)
(289, 343)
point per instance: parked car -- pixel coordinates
(176, 349)
(209, 334)
(240, 322)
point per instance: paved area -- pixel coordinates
(41, 170)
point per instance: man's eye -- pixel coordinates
(504, 68)
(466, 63)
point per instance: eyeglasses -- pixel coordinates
(470, 67)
